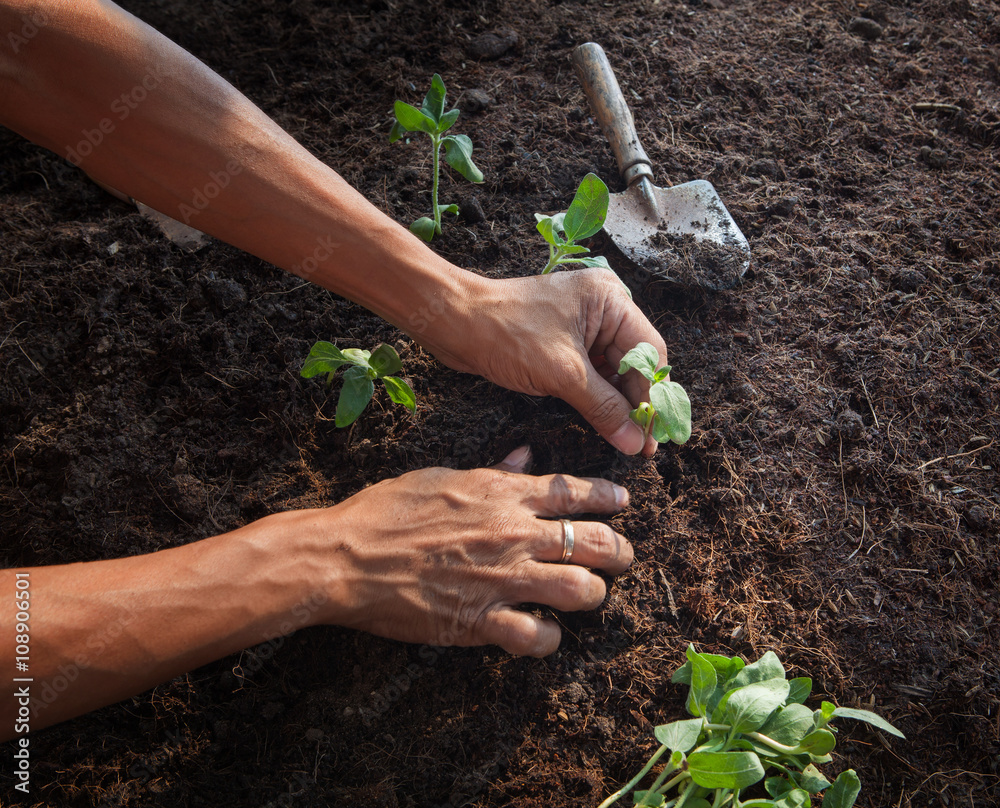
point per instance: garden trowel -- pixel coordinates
(683, 233)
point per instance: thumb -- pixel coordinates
(607, 410)
(517, 461)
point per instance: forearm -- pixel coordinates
(175, 135)
(101, 631)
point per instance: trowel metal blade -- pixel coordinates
(688, 237)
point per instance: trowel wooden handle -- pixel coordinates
(612, 113)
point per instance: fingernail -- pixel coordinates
(519, 457)
(621, 497)
(628, 439)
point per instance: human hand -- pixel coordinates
(561, 334)
(446, 557)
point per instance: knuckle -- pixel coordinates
(568, 374)
(604, 540)
(564, 492)
(606, 408)
(581, 589)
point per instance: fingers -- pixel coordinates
(607, 410)
(622, 327)
(595, 545)
(561, 494)
(521, 633)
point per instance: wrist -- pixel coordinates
(311, 562)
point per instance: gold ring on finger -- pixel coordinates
(568, 541)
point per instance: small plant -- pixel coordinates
(359, 378)
(432, 119)
(748, 719)
(667, 415)
(585, 216)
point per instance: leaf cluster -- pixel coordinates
(585, 216)
(363, 369)
(750, 725)
(431, 119)
(667, 415)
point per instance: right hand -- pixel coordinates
(561, 334)
(446, 557)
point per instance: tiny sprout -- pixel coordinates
(433, 120)
(667, 414)
(585, 216)
(359, 378)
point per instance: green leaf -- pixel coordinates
(598, 261)
(825, 711)
(703, 681)
(818, 742)
(642, 416)
(396, 132)
(424, 227)
(725, 667)
(453, 209)
(659, 376)
(790, 725)
(447, 121)
(767, 667)
(572, 249)
(458, 154)
(544, 226)
(867, 717)
(748, 707)
(679, 736)
(643, 358)
(358, 356)
(777, 787)
(400, 392)
(655, 800)
(844, 791)
(385, 360)
(588, 210)
(725, 769)
(673, 414)
(354, 396)
(433, 105)
(796, 798)
(799, 689)
(324, 357)
(812, 779)
(412, 119)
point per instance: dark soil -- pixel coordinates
(694, 261)
(838, 502)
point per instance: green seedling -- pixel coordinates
(359, 378)
(667, 415)
(433, 120)
(585, 216)
(750, 726)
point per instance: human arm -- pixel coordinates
(172, 133)
(436, 556)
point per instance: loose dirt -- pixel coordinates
(838, 501)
